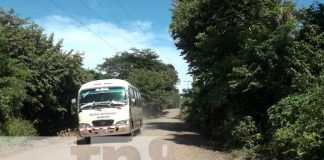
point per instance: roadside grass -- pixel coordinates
(244, 133)
(68, 132)
(243, 153)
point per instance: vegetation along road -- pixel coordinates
(257, 69)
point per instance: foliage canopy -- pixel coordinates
(156, 80)
(246, 57)
(37, 77)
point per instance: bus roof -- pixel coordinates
(105, 83)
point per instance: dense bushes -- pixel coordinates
(258, 70)
(37, 78)
(298, 122)
(18, 127)
(246, 133)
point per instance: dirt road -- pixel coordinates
(167, 137)
(187, 144)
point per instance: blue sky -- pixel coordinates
(100, 28)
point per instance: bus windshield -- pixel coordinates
(102, 95)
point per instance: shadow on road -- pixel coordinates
(104, 139)
(183, 133)
(169, 126)
(153, 114)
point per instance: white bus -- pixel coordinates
(109, 107)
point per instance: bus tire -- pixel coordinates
(132, 131)
(87, 140)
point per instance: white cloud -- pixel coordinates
(142, 25)
(89, 40)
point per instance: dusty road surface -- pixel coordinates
(167, 137)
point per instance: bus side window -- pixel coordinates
(140, 99)
(137, 98)
(130, 96)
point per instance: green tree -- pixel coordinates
(314, 15)
(124, 62)
(299, 125)
(246, 56)
(12, 83)
(38, 79)
(297, 119)
(235, 50)
(156, 80)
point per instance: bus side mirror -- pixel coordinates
(133, 100)
(73, 102)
